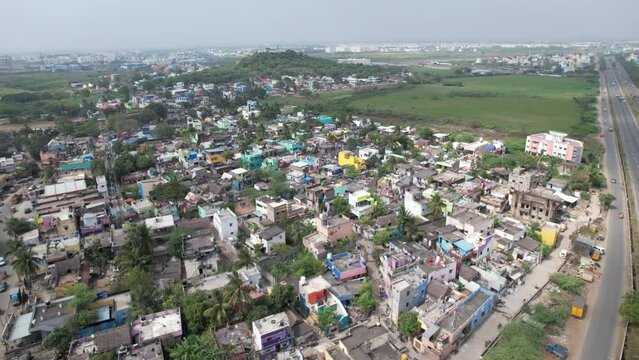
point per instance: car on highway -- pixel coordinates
(3, 261)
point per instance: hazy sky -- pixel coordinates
(33, 25)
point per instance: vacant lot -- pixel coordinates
(511, 103)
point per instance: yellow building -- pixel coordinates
(549, 233)
(346, 158)
(215, 158)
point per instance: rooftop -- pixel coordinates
(154, 326)
(271, 323)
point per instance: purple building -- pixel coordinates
(271, 335)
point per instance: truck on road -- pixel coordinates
(557, 350)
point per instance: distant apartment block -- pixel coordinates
(555, 144)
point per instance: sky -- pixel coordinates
(61, 25)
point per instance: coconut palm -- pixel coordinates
(236, 294)
(436, 206)
(137, 251)
(216, 309)
(25, 265)
(14, 245)
(245, 258)
(405, 219)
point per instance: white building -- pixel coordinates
(414, 203)
(367, 153)
(102, 184)
(266, 238)
(225, 222)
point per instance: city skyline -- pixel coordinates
(91, 26)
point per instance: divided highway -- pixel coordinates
(605, 327)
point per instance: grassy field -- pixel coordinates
(526, 103)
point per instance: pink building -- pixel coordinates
(329, 229)
(555, 144)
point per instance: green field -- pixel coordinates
(513, 103)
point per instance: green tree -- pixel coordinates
(49, 174)
(83, 295)
(408, 324)
(137, 249)
(606, 200)
(14, 246)
(95, 256)
(283, 296)
(97, 167)
(25, 265)
(59, 340)
(379, 209)
(405, 220)
(351, 172)
(381, 238)
(17, 226)
(216, 309)
(171, 191)
(296, 231)
(326, 318)
(140, 282)
(629, 308)
(340, 206)
(164, 131)
(365, 300)
(436, 206)
(236, 294)
(196, 347)
(245, 258)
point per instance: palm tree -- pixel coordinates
(406, 221)
(216, 309)
(14, 246)
(436, 206)
(245, 258)
(137, 250)
(25, 265)
(236, 294)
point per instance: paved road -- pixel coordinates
(605, 328)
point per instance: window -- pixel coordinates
(408, 293)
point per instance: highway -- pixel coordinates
(605, 327)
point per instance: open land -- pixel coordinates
(526, 103)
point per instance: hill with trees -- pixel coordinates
(276, 65)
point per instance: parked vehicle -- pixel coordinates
(3, 287)
(15, 296)
(621, 215)
(601, 250)
(557, 350)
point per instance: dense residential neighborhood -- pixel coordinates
(204, 215)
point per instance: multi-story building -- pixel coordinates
(470, 222)
(277, 209)
(415, 203)
(447, 324)
(537, 205)
(555, 144)
(225, 222)
(521, 180)
(315, 296)
(272, 334)
(266, 238)
(347, 158)
(407, 291)
(346, 266)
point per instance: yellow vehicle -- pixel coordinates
(596, 255)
